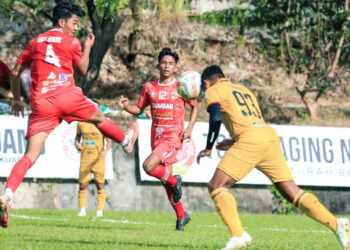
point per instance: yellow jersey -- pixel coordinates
(240, 111)
(93, 140)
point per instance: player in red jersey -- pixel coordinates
(54, 95)
(5, 81)
(167, 134)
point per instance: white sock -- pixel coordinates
(126, 141)
(82, 209)
(9, 194)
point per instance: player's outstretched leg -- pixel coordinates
(343, 233)
(113, 131)
(132, 134)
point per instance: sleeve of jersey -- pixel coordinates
(26, 57)
(77, 52)
(143, 101)
(211, 97)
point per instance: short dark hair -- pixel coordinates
(66, 10)
(168, 52)
(212, 71)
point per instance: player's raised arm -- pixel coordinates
(214, 129)
(82, 67)
(17, 104)
(123, 103)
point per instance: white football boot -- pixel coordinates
(82, 212)
(343, 233)
(235, 243)
(99, 213)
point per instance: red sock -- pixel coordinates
(179, 210)
(161, 173)
(111, 130)
(18, 172)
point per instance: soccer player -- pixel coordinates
(167, 133)
(253, 144)
(54, 96)
(92, 160)
(5, 74)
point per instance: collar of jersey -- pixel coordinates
(170, 83)
(56, 29)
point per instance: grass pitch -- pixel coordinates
(55, 229)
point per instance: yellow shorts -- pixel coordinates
(242, 157)
(87, 167)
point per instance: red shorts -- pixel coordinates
(166, 152)
(47, 113)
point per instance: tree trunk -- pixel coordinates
(311, 107)
(104, 30)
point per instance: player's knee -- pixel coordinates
(211, 186)
(147, 166)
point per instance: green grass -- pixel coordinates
(57, 229)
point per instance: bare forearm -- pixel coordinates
(135, 110)
(84, 64)
(15, 81)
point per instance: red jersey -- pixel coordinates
(4, 71)
(167, 109)
(51, 56)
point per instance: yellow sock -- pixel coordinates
(82, 197)
(101, 199)
(312, 207)
(227, 208)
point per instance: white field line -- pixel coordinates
(274, 229)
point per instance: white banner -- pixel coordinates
(317, 156)
(59, 159)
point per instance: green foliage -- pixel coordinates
(172, 10)
(284, 206)
(305, 34)
(110, 9)
(301, 112)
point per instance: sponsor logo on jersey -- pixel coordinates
(160, 133)
(62, 77)
(258, 124)
(52, 76)
(44, 90)
(174, 95)
(90, 143)
(46, 83)
(162, 105)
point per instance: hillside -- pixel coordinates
(131, 61)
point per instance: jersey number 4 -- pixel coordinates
(50, 56)
(246, 101)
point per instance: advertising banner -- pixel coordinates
(59, 159)
(317, 156)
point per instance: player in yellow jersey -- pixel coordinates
(92, 160)
(253, 144)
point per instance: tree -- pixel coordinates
(307, 36)
(311, 35)
(106, 17)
